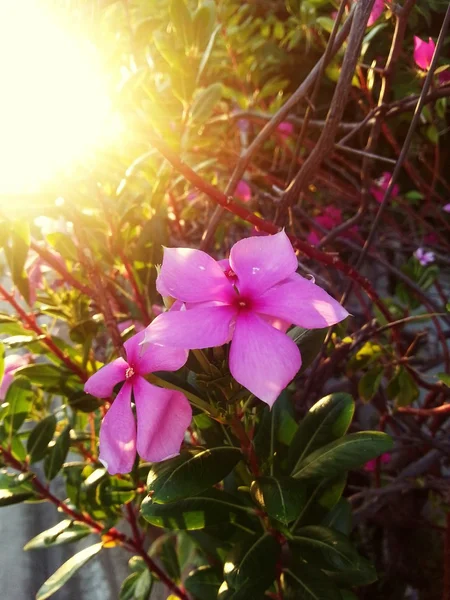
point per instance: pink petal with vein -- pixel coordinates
(261, 262)
(101, 384)
(377, 11)
(118, 434)
(301, 302)
(192, 276)
(262, 359)
(163, 417)
(423, 52)
(191, 329)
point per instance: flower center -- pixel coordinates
(243, 303)
(129, 373)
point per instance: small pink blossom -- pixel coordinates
(251, 306)
(377, 11)
(444, 77)
(372, 464)
(162, 415)
(243, 191)
(381, 185)
(446, 208)
(12, 363)
(329, 219)
(285, 129)
(425, 258)
(423, 52)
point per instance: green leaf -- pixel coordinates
(64, 245)
(325, 548)
(445, 378)
(190, 473)
(203, 23)
(65, 532)
(182, 21)
(210, 508)
(370, 382)
(40, 437)
(8, 497)
(2, 361)
(18, 402)
(282, 498)
(340, 517)
(137, 586)
(326, 421)
(203, 583)
(16, 254)
(251, 569)
(326, 23)
(57, 454)
(347, 453)
(305, 582)
(204, 104)
(402, 388)
(66, 571)
(50, 377)
(309, 342)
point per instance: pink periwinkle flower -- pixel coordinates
(372, 464)
(425, 258)
(251, 305)
(381, 185)
(377, 11)
(162, 415)
(446, 208)
(13, 362)
(243, 191)
(285, 129)
(423, 52)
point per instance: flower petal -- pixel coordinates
(8, 377)
(162, 419)
(262, 359)
(193, 328)
(118, 434)
(192, 276)
(101, 384)
(147, 358)
(301, 302)
(423, 52)
(263, 261)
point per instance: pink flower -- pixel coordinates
(381, 185)
(423, 52)
(285, 129)
(425, 258)
(251, 305)
(162, 415)
(13, 362)
(446, 208)
(377, 11)
(243, 191)
(371, 464)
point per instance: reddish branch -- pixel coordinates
(31, 323)
(133, 545)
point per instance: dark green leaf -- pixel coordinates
(282, 498)
(370, 382)
(18, 403)
(50, 377)
(8, 497)
(203, 583)
(65, 532)
(309, 342)
(210, 508)
(325, 422)
(190, 473)
(57, 454)
(66, 571)
(346, 453)
(340, 517)
(305, 582)
(137, 586)
(402, 388)
(40, 437)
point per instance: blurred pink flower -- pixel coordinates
(423, 52)
(377, 11)
(444, 77)
(425, 258)
(162, 415)
(243, 191)
(13, 362)
(285, 129)
(329, 219)
(371, 464)
(381, 185)
(446, 208)
(266, 288)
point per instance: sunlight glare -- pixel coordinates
(54, 106)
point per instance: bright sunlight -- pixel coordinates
(53, 103)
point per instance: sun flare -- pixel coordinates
(54, 105)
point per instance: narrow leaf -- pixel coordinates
(40, 438)
(65, 532)
(57, 454)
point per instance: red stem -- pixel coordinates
(32, 324)
(113, 534)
